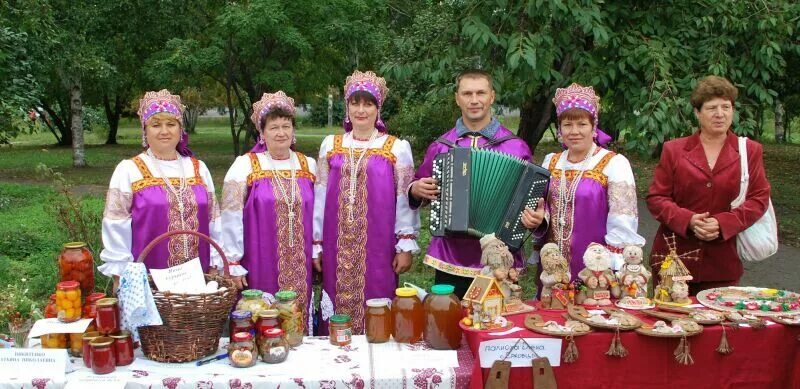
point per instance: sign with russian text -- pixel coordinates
(518, 353)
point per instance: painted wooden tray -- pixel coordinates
(580, 314)
(535, 323)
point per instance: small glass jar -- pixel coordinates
(54, 340)
(123, 348)
(274, 347)
(107, 318)
(75, 344)
(378, 321)
(51, 309)
(252, 301)
(341, 330)
(291, 316)
(266, 320)
(240, 322)
(408, 316)
(87, 352)
(90, 306)
(75, 263)
(102, 352)
(242, 351)
(68, 301)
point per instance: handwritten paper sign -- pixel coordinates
(53, 326)
(96, 381)
(519, 354)
(29, 363)
(184, 278)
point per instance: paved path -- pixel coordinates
(782, 270)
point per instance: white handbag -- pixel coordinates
(759, 241)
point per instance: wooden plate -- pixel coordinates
(667, 312)
(535, 323)
(580, 314)
(647, 330)
(784, 320)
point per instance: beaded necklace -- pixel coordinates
(354, 167)
(177, 192)
(288, 199)
(565, 202)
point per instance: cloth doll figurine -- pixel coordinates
(498, 262)
(598, 279)
(555, 278)
(633, 276)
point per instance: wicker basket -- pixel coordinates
(193, 323)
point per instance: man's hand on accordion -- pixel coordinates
(532, 219)
(425, 189)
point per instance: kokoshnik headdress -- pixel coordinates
(368, 82)
(261, 108)
(581, 97)
(163, 102)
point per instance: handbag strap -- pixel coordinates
(745, 180)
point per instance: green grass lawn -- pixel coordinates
(30, 236)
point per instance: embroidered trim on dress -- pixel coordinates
(403, 176)
(148, 180)
(595, 174)
(259, 174)
(213, 207)
(234, 194)
(385, 151)
(622, 199)
(118, 205)
(446, 267)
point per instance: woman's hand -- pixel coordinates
(239, 281)
(425, 189)
(213, 271)
(704, 227)
(114, 285)
(317, 263)
(402, 262)
(532, 219)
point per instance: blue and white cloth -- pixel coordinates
(136, 303)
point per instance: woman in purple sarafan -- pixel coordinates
(364, 229)
(268, 206)
(164, 188)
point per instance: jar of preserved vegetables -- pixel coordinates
(291, 316)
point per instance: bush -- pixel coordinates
(422, 122)
(319, 112)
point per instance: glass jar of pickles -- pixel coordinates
(75, 263)
(266, 320)
(252, 300)
(242, 350)
(273, 346)
(378, 321)
(68, 301)
(54, 341)
(240, 322)
(291, 316)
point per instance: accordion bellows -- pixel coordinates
(484, 192)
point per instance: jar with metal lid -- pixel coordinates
(90, 306)
(102, 352)
(86, 338)
(107, 318)
(75, 263)
(341, 330)
(273, 346)
(266, 320)
(408, 316)
(378, 320)
(68, 301)
(252, 300)
(242, 350)
(241, 322)
(291, 315)
(123, 348)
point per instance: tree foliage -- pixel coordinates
(643, 57)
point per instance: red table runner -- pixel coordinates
(761, 358)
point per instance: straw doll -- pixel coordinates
(555, 277)
(598, 279)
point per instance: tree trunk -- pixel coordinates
(112, 117)
(780, 129)
(535, 115)
(232, 118)
(190, 115)
(61, 124)
(76, 112)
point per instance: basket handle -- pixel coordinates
(202, 236)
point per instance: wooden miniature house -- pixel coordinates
(486, 295)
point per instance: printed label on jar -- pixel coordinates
(277, 352)
(343, 336)
(242, 357)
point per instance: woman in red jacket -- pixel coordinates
(695, 182)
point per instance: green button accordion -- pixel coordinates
(484, 192)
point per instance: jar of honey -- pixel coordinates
(378, 321)
(75, 263)
(102, 354)
(107, 318)
(123, 348)
(87, 352)
(341, 330)
(442, 315)
(408, 316)
(291, 315)
(68, 301)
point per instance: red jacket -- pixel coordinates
(684, 185)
